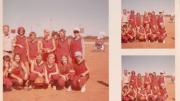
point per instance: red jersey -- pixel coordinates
(139, 82)
(39, 67)
(18, 71)
(21, 40)
(138, 20)
(160, 20)
(33, 49)
(51, 69)
(80, 68)
(47, 44)
(145, 19)
(76, 45)
(62, 48)
(161, 80)
(153, 20)
(64, 69)
(162, 31)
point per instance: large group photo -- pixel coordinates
(148, 78)
(54, 54)
(150, 26)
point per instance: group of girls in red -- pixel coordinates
(52, 61)
(148, 87)
(147, 27)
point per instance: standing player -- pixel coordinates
(132, 18)
(33, 47)
(138, 20)
(20, 46)
(47, 45)
(77, 44)
(146, 19)
(160, 19)
(63, 47)
(81, 72)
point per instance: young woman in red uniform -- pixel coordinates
(138, 20)
(51, 71)
(154, 81)
(7, 83)
(37, 72)
(125, 92)
(149, 93)
(161, 80)
(77, 44)
(163, 93)
(132, 93)
(160, 19)
(131, 33)
(155, 94)
(20, 46)
(133, 79)
(18, 72)
(153, 19)
(124, 37)
(66, 73)
(141, 94)
(132, 18)
(147, 80)
(63, 47)
(81, 72)
(33, 48)
(141, 34)
(55, 36)
(148, 30)
(162, 34)
(154, 32)
(146, 19)
(48, 45)
(139, 81)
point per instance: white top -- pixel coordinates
(125, 79)
(124, 18)
(8, 42)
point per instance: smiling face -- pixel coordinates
(64, 60)
(21, 31)
(33, 35)
(17, 58)
(51, 59)
(38, 58)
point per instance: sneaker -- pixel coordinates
(83, 89)
(69, 89)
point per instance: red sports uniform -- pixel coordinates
(76, 45)
(132, 19)
(138, 21)
(153, 20)
(62, 48)
(79, 80)
(145, 20)
(38, 68)
(21, 40)
(162, 34)
(47, 44)
(33, 49)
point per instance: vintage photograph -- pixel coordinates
(148, 78)
(55, 50)
(148, 24)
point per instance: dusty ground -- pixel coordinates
(97, 86)
(170, 39)
(170, 89)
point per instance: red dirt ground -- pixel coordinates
(95, 91)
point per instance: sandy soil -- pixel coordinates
(170, 89)
(97, 86)
(170, 39)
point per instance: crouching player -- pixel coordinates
(7, 83)
(141, 35)
(51, 72)
(66, 73)
(162, 34)
(37, 72)
(18, 72)
(81, 72)
(154, 32)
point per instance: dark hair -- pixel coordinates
(62, 30)
(6, 58)
(21, 28)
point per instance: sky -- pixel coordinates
(142, 64)
(35, 15)
(149, 5)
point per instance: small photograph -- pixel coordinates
(148, 78)
(55, 50)
(148, 24)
